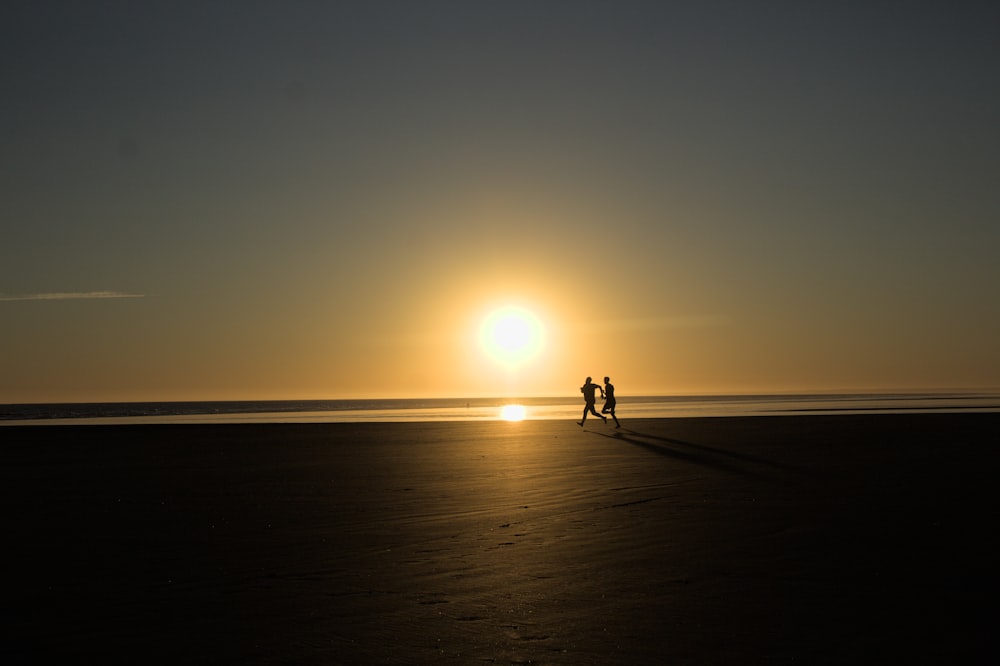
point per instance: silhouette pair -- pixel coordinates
(589, 391)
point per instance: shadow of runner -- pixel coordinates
(700, 454)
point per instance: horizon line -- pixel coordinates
(926, 391)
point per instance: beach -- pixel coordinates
(761, 540)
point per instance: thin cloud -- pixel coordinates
(70, 296)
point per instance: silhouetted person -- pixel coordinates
(609, 401)
(588, 390)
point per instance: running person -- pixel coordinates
(588, 389)
(609, 401)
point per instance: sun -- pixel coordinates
(511, 335)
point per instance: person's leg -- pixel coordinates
(584, 419)
(609, 407)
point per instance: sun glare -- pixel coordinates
(511, 335)
(513, 412)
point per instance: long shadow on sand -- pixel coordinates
(699, 454)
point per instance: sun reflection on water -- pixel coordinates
(513, 412)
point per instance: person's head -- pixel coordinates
(588, 380)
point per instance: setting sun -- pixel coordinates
(511, 335)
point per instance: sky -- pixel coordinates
(294, 200)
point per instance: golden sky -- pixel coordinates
(263, 201)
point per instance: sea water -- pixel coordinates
(490, 409)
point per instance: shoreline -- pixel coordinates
(767, 539)
(490, 409)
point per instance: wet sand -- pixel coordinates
(766, 540)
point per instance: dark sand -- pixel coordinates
(769, 540)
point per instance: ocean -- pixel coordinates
(489, 409)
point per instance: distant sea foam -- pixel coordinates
(488, 409)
